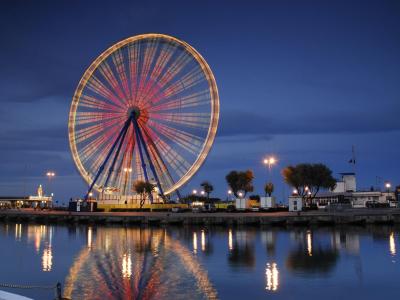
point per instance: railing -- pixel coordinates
(56, 288)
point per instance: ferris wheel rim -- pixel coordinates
(214, 100)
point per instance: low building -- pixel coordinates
(38, 201)
(267, 202)
(295, 203)
(346, 194)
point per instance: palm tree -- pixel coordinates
(269, 188)
(207, 187)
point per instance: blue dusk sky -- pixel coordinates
(302, 80)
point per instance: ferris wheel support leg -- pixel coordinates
(153, 170)
(116, 155)
(138, 142)
(107, 158)
(178, 194)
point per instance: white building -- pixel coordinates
(295, 204)
(267, 202)
(345, 193)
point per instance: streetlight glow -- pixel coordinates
(194, 192)
(202, 192)
(50, 174)
(270, 161)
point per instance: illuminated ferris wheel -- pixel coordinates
(146, 109)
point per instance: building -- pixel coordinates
(345, 194)
(295, 204)
(38, 201)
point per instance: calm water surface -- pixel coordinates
(94, 262)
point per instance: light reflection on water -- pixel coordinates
(95, 262)
(141, 263)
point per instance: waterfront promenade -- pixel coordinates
(351, 216)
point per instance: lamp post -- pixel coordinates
(388, 186)
(229, 195)
(127, 171)
(50, 175)
(269, 161)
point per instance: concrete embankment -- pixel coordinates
(354, 216)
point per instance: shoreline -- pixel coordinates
(318, 218)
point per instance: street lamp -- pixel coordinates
(202, 193)
(240, 194)
(50, 175)
(388, 186)
(194, 192)
(270, 161)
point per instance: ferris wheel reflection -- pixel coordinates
(138, 263)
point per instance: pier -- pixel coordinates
(350, 217)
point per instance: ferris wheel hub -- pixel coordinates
(133, 111)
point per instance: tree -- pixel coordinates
(139, 187)
(142, 188)
(148, 188)
(207, 187)
(269, 188)
(240, 181)
(309, 179)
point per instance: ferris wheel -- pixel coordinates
(146, 109)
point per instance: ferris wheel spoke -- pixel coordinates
(94, 130)
(161, 166)
(152, 83)
(174, 69)
(187, 142)
(173, 158)
(191, 79)
(111, 79)
(98, 148)
(133, 59)
(118, 60)
(175, 88)
(192, 100)
(98, 104)
(96, 86)
(148, 56)
(198, 120)
(87, 151)
(160, 64)
(95, 117)
(166, 152)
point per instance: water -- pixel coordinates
(94, 262)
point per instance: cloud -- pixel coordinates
(244, 123)
(53, 139)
